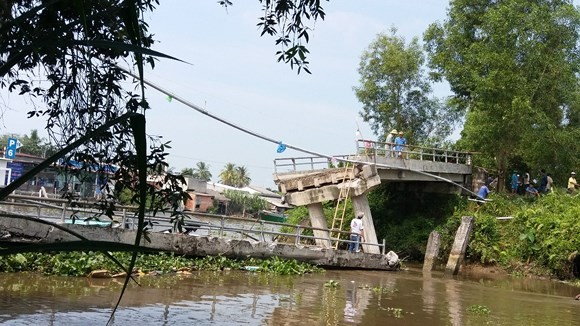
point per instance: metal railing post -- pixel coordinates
(63, 213)
(222, 222)
(297, 235)
(38, 212)
(433, 156)
(262, 231)
(124, 218)
(383, 247)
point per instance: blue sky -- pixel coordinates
(233, 73)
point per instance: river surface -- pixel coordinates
(248, 298)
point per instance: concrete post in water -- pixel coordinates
(459, 246)
(318, 220)
(433, 245)
(361, 204)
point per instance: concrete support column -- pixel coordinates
(318, 220)
(361, 204)
(459, 248)
(432, 251)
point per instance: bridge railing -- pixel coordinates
(376, 149)
(204, 224)
(305, 163)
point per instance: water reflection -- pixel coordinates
(229, 298)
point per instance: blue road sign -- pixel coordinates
(11, 148)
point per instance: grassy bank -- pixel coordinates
(82, 263)
(540, 238)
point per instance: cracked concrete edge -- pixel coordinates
(199, 246)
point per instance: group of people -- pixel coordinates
(395, 144)
(525, 185)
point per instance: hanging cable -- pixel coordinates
(255, 134)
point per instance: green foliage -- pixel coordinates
(478, 309)
(513, 68)
(542, 233)
(405, 219)
(82, 263)
(331, 284)
(235, 176)
(31, 144)
(300, 215)
(201, 171)
(395, 93)
(241, 202)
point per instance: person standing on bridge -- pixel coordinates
(356, 232)
(400, 143)
(389, 146)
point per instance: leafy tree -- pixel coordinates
(242, 177)
(513, 67)
(235, 176)
(228, 175)
(395, 92)
(201, 171)
(32, 144)
(187, 172)
(75, 46)
(244, 203)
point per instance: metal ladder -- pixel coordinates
(340, 209)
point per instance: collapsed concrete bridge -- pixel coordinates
(311, 181)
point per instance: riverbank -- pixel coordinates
(536, 236)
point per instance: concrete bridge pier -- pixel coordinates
(317, 220)
(361, 204)
(312, 189)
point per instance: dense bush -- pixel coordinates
(542, 233)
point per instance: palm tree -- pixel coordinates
(242, 176)
(228, 176)
(201, 171)
(187, 172)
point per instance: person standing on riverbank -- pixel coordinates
(515, 182)
(550, 184)
(356, 232)
(572, 184)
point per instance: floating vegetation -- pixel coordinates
(396, 312)
(384, 290)
(83, 263)
(379, 289)
(332, 284)
(478, 309)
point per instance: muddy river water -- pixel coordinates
(247, 298)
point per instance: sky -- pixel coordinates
(233, 73)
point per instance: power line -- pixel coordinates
(263, 137)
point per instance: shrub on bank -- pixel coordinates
(542, 233)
